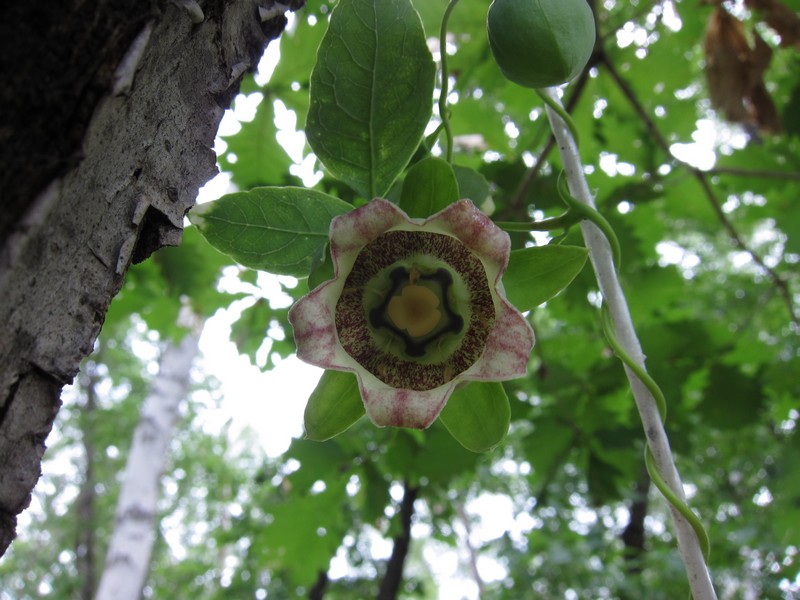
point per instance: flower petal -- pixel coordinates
(315, 331)
(354, 230)
(392, 407)
(478, 233)
(508, 348)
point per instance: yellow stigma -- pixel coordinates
(415, 310)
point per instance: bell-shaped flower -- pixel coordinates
(415, 307)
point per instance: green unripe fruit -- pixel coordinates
(541, 43)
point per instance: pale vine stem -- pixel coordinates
(600, 254)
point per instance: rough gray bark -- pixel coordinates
(131, 545)
(144, 152)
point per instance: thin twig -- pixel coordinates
(601, 257)
(757, 173)
(473, 554)
(702, 180)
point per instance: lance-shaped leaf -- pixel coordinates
(534, 275)
(272, 229)
(370, 93)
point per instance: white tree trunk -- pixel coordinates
(128, 559)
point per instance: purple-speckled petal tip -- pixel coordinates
(476, 231)
(352, 231)
(389, 407)
(508, 348)
(311, 318)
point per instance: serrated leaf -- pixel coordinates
(334, 405)
(275, 229)
(259, 159)
(371, 93)
(429, 186)
(478, 415)
(534, 275)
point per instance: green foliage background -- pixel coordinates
(717, 316)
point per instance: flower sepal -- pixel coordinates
(334, 405)
(478, 415)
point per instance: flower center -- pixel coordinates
(416, 309)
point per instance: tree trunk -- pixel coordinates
(106, 128)
(128, 558)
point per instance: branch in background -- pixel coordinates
(634, 536)
(317, 591)
(472, 553)
(85, 503)
(614, 298)
(702, 179)
(757, 173)
(390, 584)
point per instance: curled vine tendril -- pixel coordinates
(649, 459)
(561, 112)
(576, 212)
(661, 403)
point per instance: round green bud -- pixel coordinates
(541, 43)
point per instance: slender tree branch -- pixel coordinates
(85, 547)
(702, 180)
(317, 591)
(390, 584)
(602, 261)
(471, 552)
(634, 535)
(758, 173)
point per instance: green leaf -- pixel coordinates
(275, 229)
(305, 532)
(259, 159)
(371, 93)
(472, 185)
(534, 275)
(429, 187)
(478, 415)
(321, 269)
(334, 405)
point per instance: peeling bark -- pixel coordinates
(143, 154)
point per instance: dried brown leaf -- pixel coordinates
(735, 72)
(781, 18)
(727, 64)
